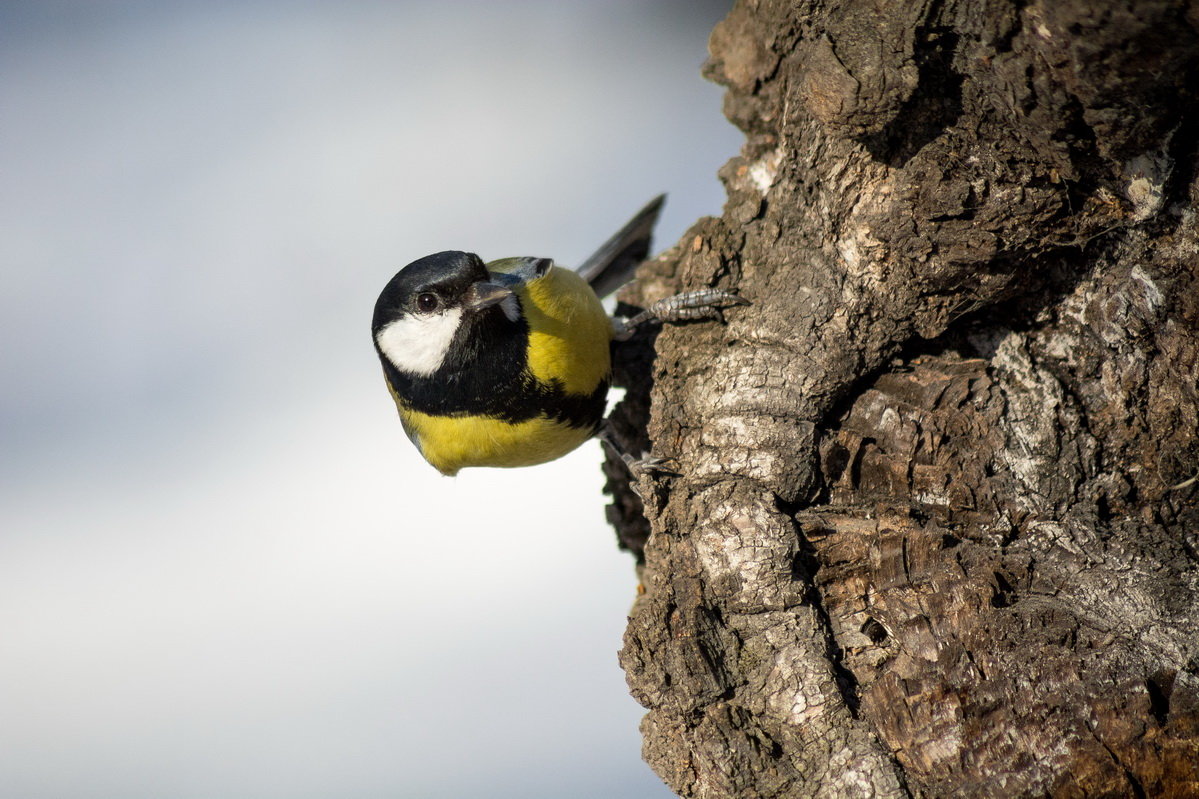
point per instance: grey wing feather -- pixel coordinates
(613, 263)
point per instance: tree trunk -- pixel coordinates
(934, 530)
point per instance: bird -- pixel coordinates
(508, 363)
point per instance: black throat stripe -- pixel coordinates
(494, 380)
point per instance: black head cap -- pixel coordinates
(446, 275)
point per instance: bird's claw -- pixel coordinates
(648, 465)
(644, 466)
(684, 307)
(701, 304)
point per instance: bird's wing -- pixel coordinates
(613, 263)
(513, 272)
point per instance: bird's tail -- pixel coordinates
(613, 263)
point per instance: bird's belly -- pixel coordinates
(451, 443)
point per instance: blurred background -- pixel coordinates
(224, 571)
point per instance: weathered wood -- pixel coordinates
(931, 533)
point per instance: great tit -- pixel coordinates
(507, 363)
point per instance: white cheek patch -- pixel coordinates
(417, 344)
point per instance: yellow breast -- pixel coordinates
(569, 331)
(451, 443)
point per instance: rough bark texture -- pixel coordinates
(931, 532)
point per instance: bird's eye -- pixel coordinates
(426, 303)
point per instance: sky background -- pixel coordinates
(224, 571)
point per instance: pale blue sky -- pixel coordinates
(224, 572)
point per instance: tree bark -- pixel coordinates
(933, 530)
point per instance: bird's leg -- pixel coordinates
(701, 304)
(688, 306)
(646, 464)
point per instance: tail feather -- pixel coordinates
(613, 263)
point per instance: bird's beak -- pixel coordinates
(484, 295)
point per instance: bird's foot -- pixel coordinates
(644, 466)
(685, 307)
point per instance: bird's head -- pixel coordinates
(424, 310)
